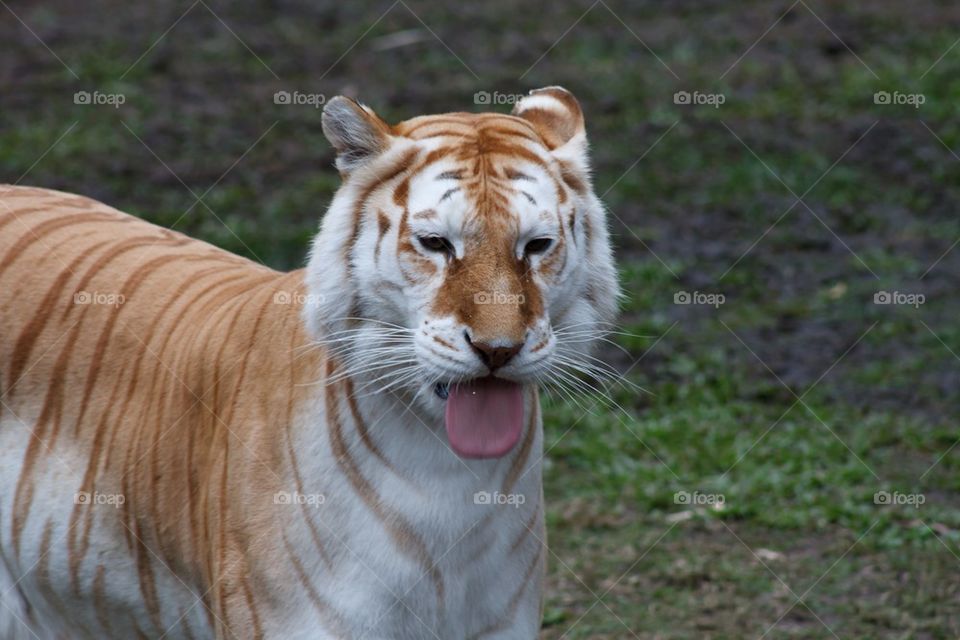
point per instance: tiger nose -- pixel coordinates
(494, 356)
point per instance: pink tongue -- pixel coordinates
(484, 417)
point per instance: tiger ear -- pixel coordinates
(556, 116)
(357, 133)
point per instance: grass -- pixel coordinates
(705, 200)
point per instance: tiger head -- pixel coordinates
(464, 257)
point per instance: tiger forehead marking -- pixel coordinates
(490, 160)
(293, 455)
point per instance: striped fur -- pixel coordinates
(194, 446)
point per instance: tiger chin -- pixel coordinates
(195, 446)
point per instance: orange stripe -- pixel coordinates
(100, 599)
(508, 616)
(361, 427)
(524, 453)
(402, 534)
(32, 330)
(328, 615)
(37, 232)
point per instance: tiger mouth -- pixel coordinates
(483, 416)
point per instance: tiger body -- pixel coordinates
(196, 446)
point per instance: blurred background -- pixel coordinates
(783, 186)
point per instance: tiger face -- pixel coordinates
(472, 260)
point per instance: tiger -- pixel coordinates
(196, 446)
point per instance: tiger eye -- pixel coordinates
(537, 245)
(436, 244)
